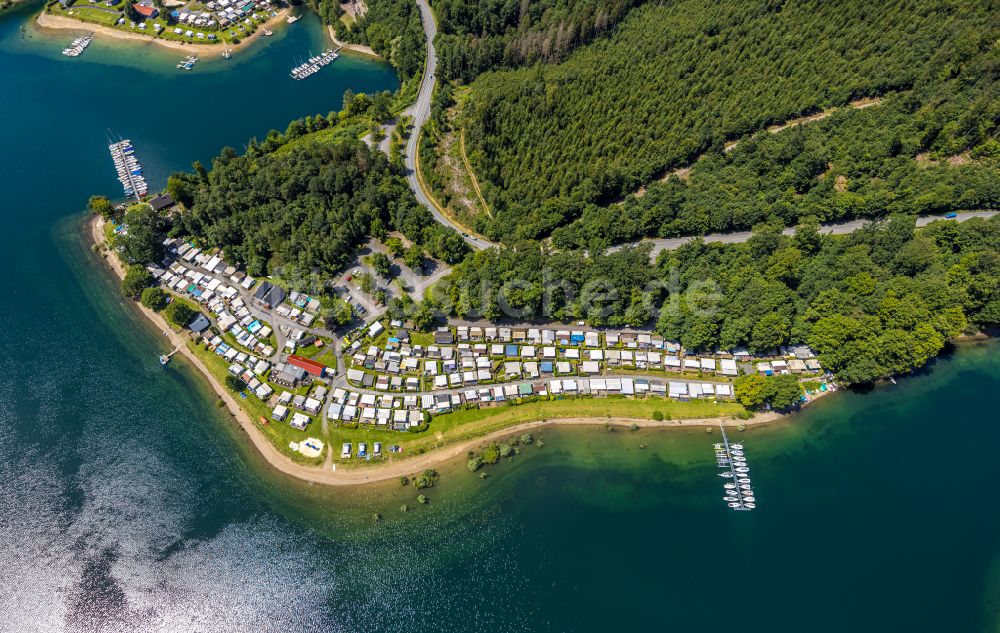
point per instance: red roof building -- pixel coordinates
(311, 366)
(146, 10)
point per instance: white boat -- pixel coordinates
(743, 480)
(727, 475)
(742, 469)
(729, 486)
(164, 359)
(737, 447)
(751, 499)
(734, 504)
(749, 505)
(745, 487)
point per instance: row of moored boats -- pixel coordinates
(129, 169)
(78, 45)
(738, 488)
(314, 65)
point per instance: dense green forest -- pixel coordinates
(878, 302)
(867, 162)
(391, 27)
(305, 199)
(677, 79)
(479, 35)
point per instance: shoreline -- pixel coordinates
(390, 469)
(360, 49)
(47, 21)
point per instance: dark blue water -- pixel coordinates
(128, 502)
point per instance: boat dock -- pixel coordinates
(314, 65)
(78, 45)
(188, 62)
(735, 472)
(129, 169)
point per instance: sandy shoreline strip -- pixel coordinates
(391, 469)
(355, 48)
(64, 23)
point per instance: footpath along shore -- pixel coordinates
(389, 469)
(47, 21)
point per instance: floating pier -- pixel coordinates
(78, 45)
(314, 65)
(735, 473)
(188, 62)
(129, 169)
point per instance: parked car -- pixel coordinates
(951, 216)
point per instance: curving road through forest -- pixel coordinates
(420, 111)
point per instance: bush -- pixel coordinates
(137, 278)
(527, 438)
(233, 383)
(178, 313)
(426, 479)
(505, 450)
(153, 298)
(491, 454)
(422, 499)
(475, 463)
(658, 416)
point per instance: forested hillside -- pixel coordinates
(293, 201)
(898, 157)
(391, 27)
(677, 79)
(480, 35)
(875, 303)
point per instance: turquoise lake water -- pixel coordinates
(129, 503)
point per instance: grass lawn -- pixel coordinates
(421, 338)
(328, 357)
(91, 14)
(460, 425)
(280, 433)
(330, 135)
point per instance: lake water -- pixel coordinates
(129, 503)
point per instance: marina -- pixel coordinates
(78, 45)
(314, 65)
(737, 488)
(129, 169)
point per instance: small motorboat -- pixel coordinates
(749, 499)
(736, 447)
(734, 504)
(164, 359)
(727, 475)
(749, 505)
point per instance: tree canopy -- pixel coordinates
(676, 80)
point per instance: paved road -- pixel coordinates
(839, 228)
(420, 111)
